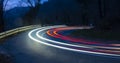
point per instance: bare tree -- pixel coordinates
(30, 3)
(29, 17)
(1, 16)
(5, 4)
(33, 4)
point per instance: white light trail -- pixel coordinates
(41, 36)
(61, 47)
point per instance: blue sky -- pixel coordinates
(18, 3)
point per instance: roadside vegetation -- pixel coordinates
(108, 29)
(96, 34)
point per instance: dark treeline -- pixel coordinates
(70, 12)
(29, 17)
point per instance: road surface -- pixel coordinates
(51, 45)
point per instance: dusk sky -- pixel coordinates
(18, 3)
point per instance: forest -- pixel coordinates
(99, 13)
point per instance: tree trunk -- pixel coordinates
(85, 12)
(101, 8)
(1, 16)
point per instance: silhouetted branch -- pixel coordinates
(30, 3)
(5, 4)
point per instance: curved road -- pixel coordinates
(52, 45)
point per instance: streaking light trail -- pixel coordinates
(44, 34)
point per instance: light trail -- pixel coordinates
(56, 34)
(57, 42)
(43, 40)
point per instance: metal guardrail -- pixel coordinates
(21, 29)
(17, 30)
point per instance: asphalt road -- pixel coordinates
(22, 49)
